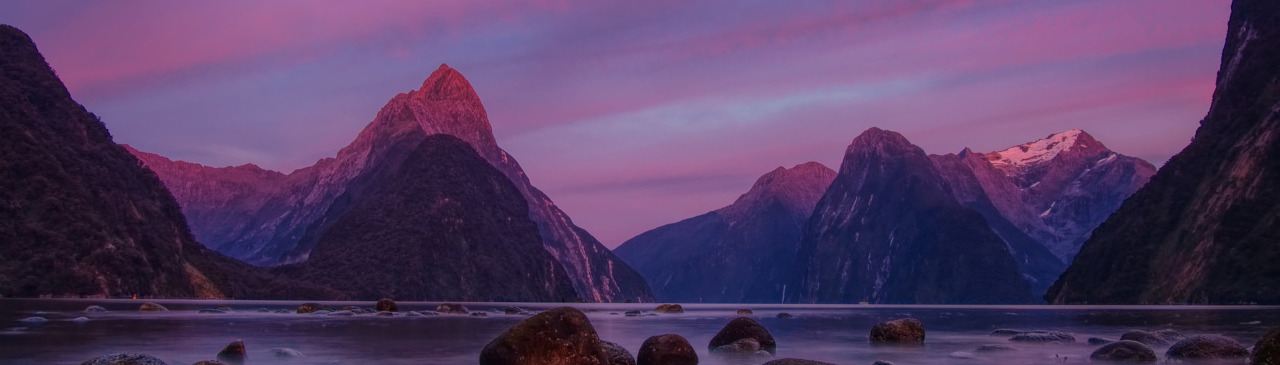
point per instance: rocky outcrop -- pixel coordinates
(889, 230)
(558, 336)
(233, 354)
(1267, 350)
(905, 331)
(1204, 229)
(743, 252)
(744, 328)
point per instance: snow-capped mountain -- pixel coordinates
(1205, 229)
(297, 211)
(742, 253)
(889, 230)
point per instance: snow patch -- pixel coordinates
(1035, 152)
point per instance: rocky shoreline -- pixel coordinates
(565, 335)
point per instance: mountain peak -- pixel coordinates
(798, 188)
(882, 142)
(446, 83)
(1044, 149)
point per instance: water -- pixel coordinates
(832, 333)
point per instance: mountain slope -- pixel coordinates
(443, 225)
(289, 220)
(741, 253)
(1204, 230)
(889, 230)
(80, 216)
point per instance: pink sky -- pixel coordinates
(631, 115)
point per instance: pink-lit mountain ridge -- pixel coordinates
(269, 219)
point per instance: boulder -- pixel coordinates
(669, 308)
(744, 328)
(451, 308)
(386, 305)
(94, 308)
(898, 331)
(995, 348)
(633, 313)
(745, 312)
(1267, 350)
(1207, 347)
(309, 307)
(1124, 350)
(233, 354)
(790, 361)
(562, 335)
(785, 315)
(286, 353)
(668, 349)
(617, 354)
(1099, 341)
(1044, 336)
(152, 307)
(1147, 338)
(124, 359)
(1170, 335)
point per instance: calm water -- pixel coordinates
(836, 334)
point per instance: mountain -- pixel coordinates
(282, 220)
(889, 230)
(1068, 183)
(1204, 230)
(80, 216)
(741, 253)
(443, 225)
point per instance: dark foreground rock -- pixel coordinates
(1044, 336)
(386, 305)
(668, 349)
(124, 359)
(1207, 347)
(898, 331)
(233, 354)
(1267, 350)
(790, 361)
(1124, 350)
(152, 307)
(617, 354)
(558, 336)
(744, 328)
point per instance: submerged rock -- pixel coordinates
(1006, 332)
(562, 335)
(285, 352)
(1207, 347)
(34, 320)
(152, 307)
(745, 312)
(669, 308)
(233, 354)
(1147, 338)
(617, 354)
(342, 313)
(743, 328)
(94, 308)
(1267, 350)
(125, 359)
(1099, 341)
(633, 313)
(479, 314)
(791, 361)
(898, 331)
(386, 305)
(1124, 350)
(80, 319)
(451, 308)
(514, 310)
(962, 355)
(211, 311)
(784, 315)
(309, 308)
(668, 349)
(995, 348)
(1044, 336)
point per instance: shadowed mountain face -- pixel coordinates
(1204, 230)
(889, 230)
(272, 220)
(442, 225)
(740, 253)
(82, 217)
